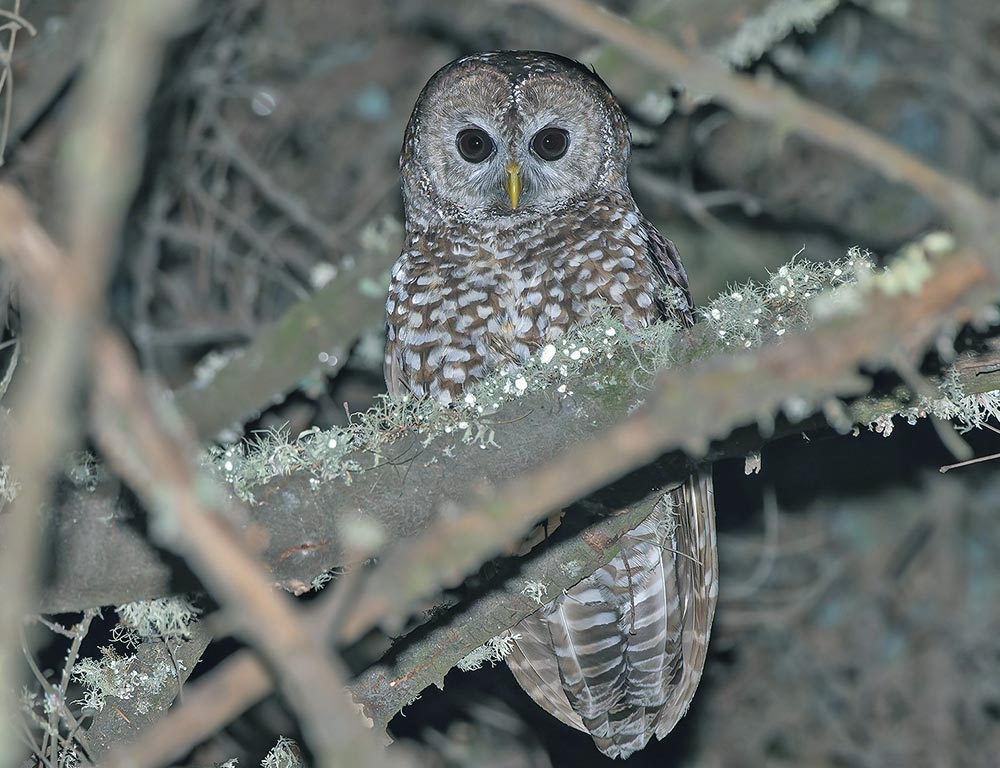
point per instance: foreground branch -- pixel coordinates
(158, 467)
(99, 173)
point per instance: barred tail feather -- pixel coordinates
(619, 655)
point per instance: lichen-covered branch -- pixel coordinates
(686, 410)
(160, 667)
(396, 488)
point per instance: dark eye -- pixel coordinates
(550, 143)
(474, 144)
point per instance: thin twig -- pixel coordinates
(947, 467)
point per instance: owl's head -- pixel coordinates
(513, 133)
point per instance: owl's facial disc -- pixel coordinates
(494, 146)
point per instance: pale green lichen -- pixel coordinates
(167, 619)
(906, 273)
(284, 754)
(494, 650)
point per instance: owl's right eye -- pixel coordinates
(474, 144)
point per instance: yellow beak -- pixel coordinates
(513, 183)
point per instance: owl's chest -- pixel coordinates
(518, 297)
(456, 312)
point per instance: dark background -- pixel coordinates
(858, 622)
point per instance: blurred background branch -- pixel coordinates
(101, 164)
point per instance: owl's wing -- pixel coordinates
(695, 534)
(667, 261)
(620, 654)
(392, 368)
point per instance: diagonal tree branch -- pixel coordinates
(191, 519)
(780, 107)
(685, 410)
(99, 172)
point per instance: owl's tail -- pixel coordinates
(620, 654)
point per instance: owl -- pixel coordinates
(520, 227)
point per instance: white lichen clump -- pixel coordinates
(494, 650)
(165, 618)
(746, 315)
(284, 754)
(123, 678)
(966, 411)
(535, 590)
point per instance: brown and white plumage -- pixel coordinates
(620, 654)
(492, 269)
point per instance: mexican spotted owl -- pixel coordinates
(520, 226)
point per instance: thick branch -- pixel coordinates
(686, 410)
(304, 528)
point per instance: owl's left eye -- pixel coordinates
(474, 144)
(550, 143)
